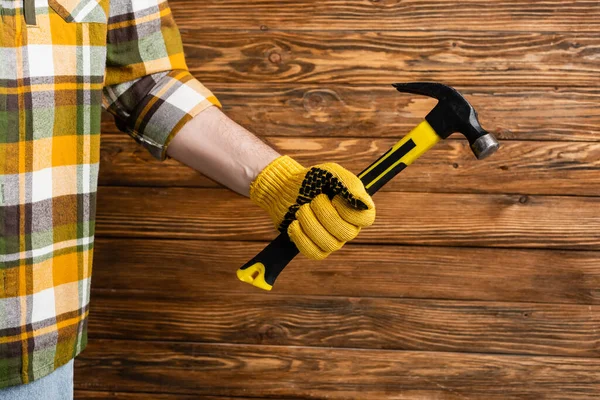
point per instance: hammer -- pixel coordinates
(453, 113)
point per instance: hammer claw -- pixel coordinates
(453, 113)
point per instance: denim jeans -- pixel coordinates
(56, 386)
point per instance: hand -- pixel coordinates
(321, 207)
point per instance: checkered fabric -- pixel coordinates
(56, 74)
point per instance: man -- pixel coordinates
(61, 61)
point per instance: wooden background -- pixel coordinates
(479, 280)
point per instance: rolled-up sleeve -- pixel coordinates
(148, 87)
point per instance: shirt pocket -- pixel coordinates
(79, 11)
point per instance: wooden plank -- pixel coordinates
(368, 323)
(85, 395)
(473, 15)
(455, 58)
(377, 111)
(558, 168)
(298, 372)
(402, 218)
(95, 395)
(188, 267)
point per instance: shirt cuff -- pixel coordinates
(176, 98)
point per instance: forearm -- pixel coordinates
(214, 145)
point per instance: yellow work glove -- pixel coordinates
(298, 201)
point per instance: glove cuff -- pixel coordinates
(273, 189)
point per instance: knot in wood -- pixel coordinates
(313, 101)
(523, 199)
(275, 58)
(270, 332)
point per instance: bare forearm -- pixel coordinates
(216, 146)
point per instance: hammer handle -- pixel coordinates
(263, 270)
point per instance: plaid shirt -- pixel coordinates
(60, 64)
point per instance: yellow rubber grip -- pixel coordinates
(254, 275)
(423, 136)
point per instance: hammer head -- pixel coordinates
(453, 113)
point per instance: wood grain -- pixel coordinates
(299, 372)
(95, 395)
(402, 218)
(466, 258)
(557, 168)
(377, 111)
(186, 269)
(368, 323)
(439, 15)
(454, 58)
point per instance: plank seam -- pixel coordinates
(349, 349)
(105, 290)
(592, 196)
(204, 396)
(265, 242)
(554, 140)
(223, 189)
(562, 249)
(182, 29)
